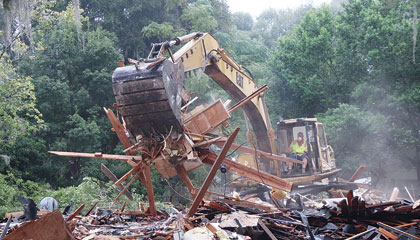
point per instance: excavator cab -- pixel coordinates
(321, 162)
(320, 154)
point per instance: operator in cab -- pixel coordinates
(298, 149)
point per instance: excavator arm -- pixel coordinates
(147, 93)
(203, 50)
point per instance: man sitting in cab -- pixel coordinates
(298, 149)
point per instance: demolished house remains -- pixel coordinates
(157, 129)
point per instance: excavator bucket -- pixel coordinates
(148, 97)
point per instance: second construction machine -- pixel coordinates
(153, 103)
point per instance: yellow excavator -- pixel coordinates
(152, 101)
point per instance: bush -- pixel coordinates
(88, 192)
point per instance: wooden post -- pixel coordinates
(74, 214)
(259, 152)
(119, 129)
(249, 172)
(357, 173)
(125, 188)
(185, 178)
(129, 173)
(212, 173)
(149, 187)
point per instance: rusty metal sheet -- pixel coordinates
(49, 227)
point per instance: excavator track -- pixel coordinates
(149, 100)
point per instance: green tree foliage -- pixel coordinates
(199, 17)
(310, 81)
(19, 116)
(72, 83)
(363, 59)
(158, 32)
(243, 21)
(272, 24)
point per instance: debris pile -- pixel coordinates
(231, 218)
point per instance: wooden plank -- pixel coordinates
(119, 129)
(212, 173)
(39, 213)
(409, 194)
(182, 172)
(259, 152)
(150, 193)
(113, 178)
(244, 203)
(91, 208)
(156, 62)
(357, 173)
(96, 155)
(394, 194)
(266, 230)
(208, 142)
(74, 214)
(248, 172)
(357, 236)
(207, 119)
(125, 188)
(123, 207)
(129, 173)
(411, 236)
(387, 234)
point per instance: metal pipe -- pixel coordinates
(185, 38)
(248, 98)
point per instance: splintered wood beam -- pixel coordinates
(208, 142)
(125, 188)
(119, 129)
(114, 178)
(248, 98)
(357, 173)
(74, 214)
(266, 230)
(249, 172)
(212, 173)
(150, 193)
(259, 153)
(91, 208)
(182, 172)
(97, 155)
(137, 168)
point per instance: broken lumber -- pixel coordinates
(97, 155)
(74, 214)
(125, 188)
(114, 178)
(150, 192)
(249, 172)
(50, 226)
(385, 226)
(219, 159)
(260, 153)
(357, 173)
